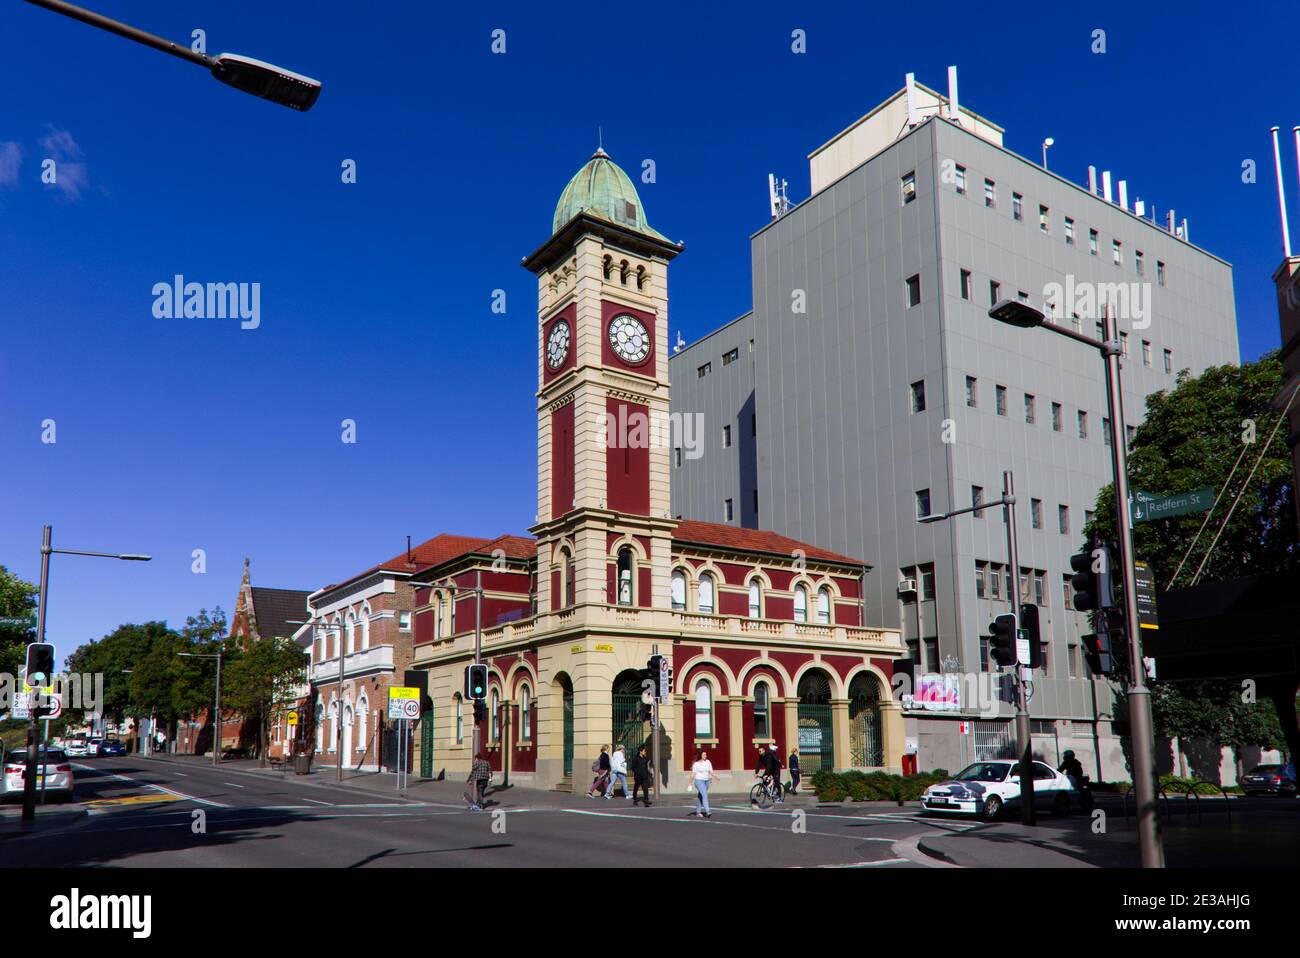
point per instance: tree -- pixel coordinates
(260, 679)
(17, 600)
(115, 657)
(1191, 438)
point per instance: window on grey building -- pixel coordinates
(922, 502)
(730, 356)
(981, 576)
(1160, 272)
(965, 284)
(995, 292)
(961, 180)
(1138, 262)
(913, 290)
(1069, 231)
(1040, 595)
(972, 397)
(1076, 670)
(1131, 433)
(1063, 519)
(914, 652)
(995, 581)
(1092, 242)
(1067, 591)
(918, 396)
(1123, 344)
(727, 511)
(1146, 353)
(704, 370)
(1044, 219)
(990, 193)
(984, 653)
(1031, 407)
(932, 654)
(1117, 252)
(1083, 424)
(726, 437)
(1056, 417)
(977, 498)
(1087, 517)
(1036, 513)
(909, 187)
(1022, 296)
(1001, 400)
(1169, 360)
(677, 456)
(1105, 430)
(1017, 202)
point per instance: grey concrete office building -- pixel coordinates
(868, 385)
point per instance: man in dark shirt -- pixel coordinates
(794, 771)
(480, 773)
(773, 764)
(641, 776)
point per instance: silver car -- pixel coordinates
(55, 771)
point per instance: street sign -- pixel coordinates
(403, 702)
(293, 718)
(664, 689)
(1146, 596)
(18, 621)
(1147, 506)
(54, 709)
(22, 707)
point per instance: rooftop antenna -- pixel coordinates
(913, 118)
(408, 549)
(954, 110)
(778, 201)
(680, 344)
(1281, 191)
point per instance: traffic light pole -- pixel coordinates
(1141, 726)
(29, 779)
(1024, 741)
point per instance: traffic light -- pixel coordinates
(653, 666)
(1096, 649)
(480, 711)
(1029, 626)
(476, 681)
(40, 664)
(1002, 639)
(1091, 580)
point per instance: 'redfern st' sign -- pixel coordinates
(1147, 507)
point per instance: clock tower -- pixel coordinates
(603, 510)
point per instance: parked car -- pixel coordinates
(984, 789)
(54, 769)
(1268, 780)
(77, 748)
(110, 746)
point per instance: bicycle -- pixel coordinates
(766, 793)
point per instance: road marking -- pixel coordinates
(161, 788)
(233, 785)
(314, 802)
(640, 818)
(99, 803)
(885, 861)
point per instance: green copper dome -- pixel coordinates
(603, 190)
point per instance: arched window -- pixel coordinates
(438, 623)
(640, 276)
(706, 594)
(762, 710)
(622, 271)
(824, 605)
(607, 265)
(755, 599)
(570, 589)
(352, 633)
(320, 724)
(365, 628)
(334, 725)
(679, 590)
(623, 594)
(494, 722)
(525, 716)
(460, 719)
(703, 710)
(800, 604)
(363, 711)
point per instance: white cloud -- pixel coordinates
(11, 158)
(70, 176)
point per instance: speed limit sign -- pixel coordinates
(411, 708)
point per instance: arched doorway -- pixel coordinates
(630, 726)
(566, 709)
(866, 744)
(816, 731)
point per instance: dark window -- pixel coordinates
(918, 396)
(965, 284)
(913, 290)
(922, 502)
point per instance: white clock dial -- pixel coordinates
(629, 338)
(557, 345)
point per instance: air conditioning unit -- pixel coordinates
(906, 586)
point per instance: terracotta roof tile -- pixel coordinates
(753, 540)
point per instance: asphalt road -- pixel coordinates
(158, 814)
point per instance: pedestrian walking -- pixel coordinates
(702, 772)
(794, 770)
(618, 773)
(641, 776)
(480, 773)
(601, 768)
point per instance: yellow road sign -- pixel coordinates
(293, 718)
(403, 692)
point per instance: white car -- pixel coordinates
(985, 788)
(77, 748)
(52, 769)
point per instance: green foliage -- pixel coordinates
(861, 786)
(1174, 785)
(1215, 710)
(18, 600)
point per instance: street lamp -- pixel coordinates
(1049, 142)
(1141, 727)
(338, 722)
(1024, 739)
(29, 780)
(265, 80)
(216, 715)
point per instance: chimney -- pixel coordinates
(1105, 185)
(1169, 222)
(912, 118)
(1092, 180)
(954, 111)
(1123, 194)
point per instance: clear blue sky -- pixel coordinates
(175, 435)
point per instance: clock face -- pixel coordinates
(629, 338)
(557, 345)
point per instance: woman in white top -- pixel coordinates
(703, 773)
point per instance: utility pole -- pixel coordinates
(1024, 740)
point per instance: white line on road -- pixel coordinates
(161, 788)
(314, 802)
(885, 861)
(233, 785)
(687, 821)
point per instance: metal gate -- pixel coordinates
(816, 739)
(629, 727)
(993, 740)
(865, 748)
(426, 744)
(568, 733)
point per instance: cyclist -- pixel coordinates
(766, 771)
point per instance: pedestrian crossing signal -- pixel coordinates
(1002, 639)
